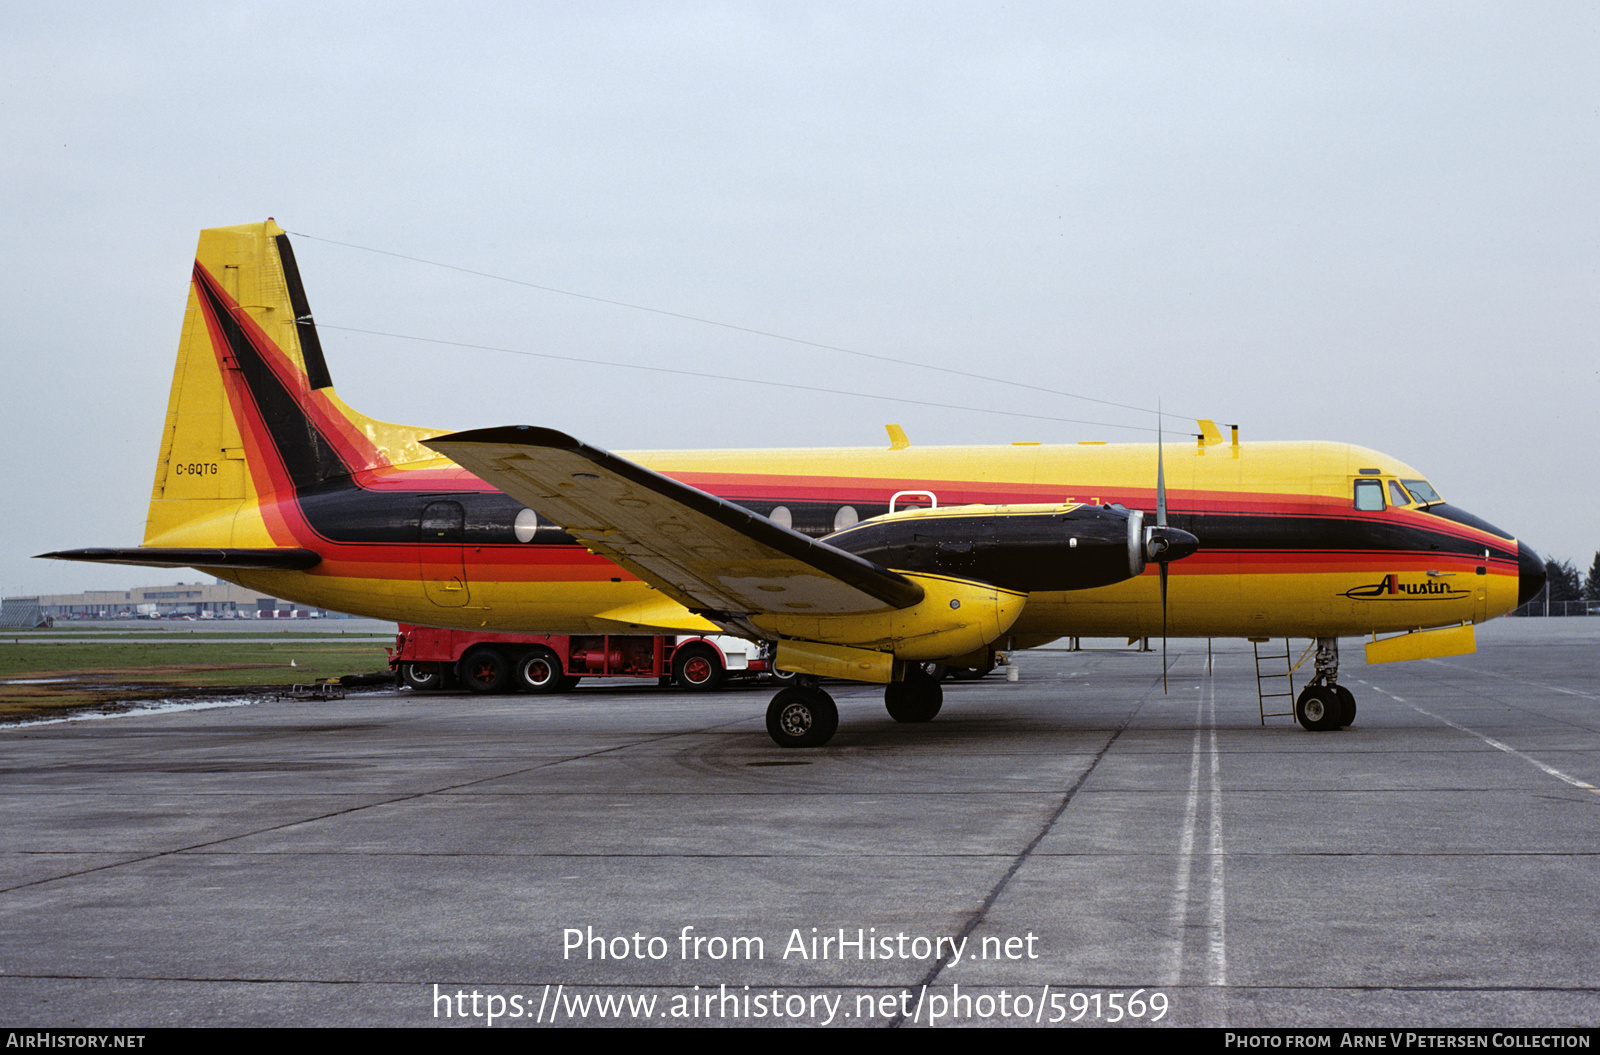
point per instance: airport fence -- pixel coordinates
(1543, 607)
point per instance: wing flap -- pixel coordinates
(705, 553)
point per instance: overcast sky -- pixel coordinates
(1374, 223)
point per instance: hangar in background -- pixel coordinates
(214, 600)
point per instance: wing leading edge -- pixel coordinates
(709, 555)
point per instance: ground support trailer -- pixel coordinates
(426, 658)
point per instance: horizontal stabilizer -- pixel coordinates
(709, 555)
(289, 558)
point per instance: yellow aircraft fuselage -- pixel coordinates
(300, 496)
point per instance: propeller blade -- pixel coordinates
(1164, 626)
(1161, 476)
(1161, 524)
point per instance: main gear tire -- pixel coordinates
(915, 699)
(802, 717)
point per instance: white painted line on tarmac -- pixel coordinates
(1218, 901)
(1179, 916)
(1492, 742)
(1215, 896)
(1520, 681)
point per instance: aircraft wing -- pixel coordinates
(709, 555)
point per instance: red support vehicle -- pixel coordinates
(426, 658)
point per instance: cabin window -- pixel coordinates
(781, 516)
(846, 517)
(1369, 495)
(1397, 494)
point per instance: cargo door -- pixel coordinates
(441, 559)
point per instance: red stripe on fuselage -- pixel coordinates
(372, 472)
(353, 447)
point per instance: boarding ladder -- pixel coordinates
(1266, 678)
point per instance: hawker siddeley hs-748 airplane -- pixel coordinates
(267, 479)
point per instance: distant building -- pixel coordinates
(220, 600)
(22, 612)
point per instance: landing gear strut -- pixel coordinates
(1325, 704)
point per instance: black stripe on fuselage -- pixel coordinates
(307, 455)
(340, 511)
(348, 514)
(1256, 533)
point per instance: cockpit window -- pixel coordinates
(1369, 495)
(1397, 494)
(1422, 492)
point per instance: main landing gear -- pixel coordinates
(802, 715)
(917, 698)
(1325, 704)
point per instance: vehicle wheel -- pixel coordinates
(936, 671)
(916, 699)
(1347, 705)
(1318, 709)
(785, 676)
(697, 667)
(485, 670)
(800, 717)
(539, 670)
(568, 682)
(413, 675)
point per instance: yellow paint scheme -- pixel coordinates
(222, 508)
(835, 661)
(1227, 602)
(555, 607)
(1247, 595)
(1424, 644)
(1219, 603)
(953, 618)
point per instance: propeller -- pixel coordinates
(1160, 542)
(1161, 530)
(1164, 544)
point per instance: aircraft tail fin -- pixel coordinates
(252, 413)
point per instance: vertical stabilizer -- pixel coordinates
(252, 414)
(200, 473)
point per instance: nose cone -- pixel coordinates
(1170, 543)
(1530, 574)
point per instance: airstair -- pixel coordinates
(1267, 677)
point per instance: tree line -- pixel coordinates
(1563, 582)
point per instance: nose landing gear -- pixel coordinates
(1325, 704)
